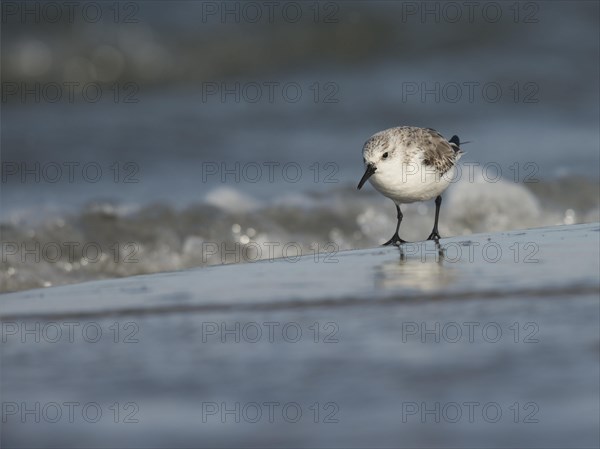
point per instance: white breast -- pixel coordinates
(411, 182)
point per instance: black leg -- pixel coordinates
(435, 235)
(396, 240)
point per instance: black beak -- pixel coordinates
(368, 173)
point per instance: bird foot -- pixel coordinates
(395, 240)
(434, 236)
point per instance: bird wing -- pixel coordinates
(438, 152)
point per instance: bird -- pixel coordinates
(408, 164)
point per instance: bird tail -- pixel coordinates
(456, 143)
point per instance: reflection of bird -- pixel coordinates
(422, 268)
(409, 164)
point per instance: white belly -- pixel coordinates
(411, 183)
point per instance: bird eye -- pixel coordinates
(385, 155)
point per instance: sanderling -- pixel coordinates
(409, 164)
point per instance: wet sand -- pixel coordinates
(485, 341)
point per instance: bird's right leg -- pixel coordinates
(396, 240)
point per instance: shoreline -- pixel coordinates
(415, 271)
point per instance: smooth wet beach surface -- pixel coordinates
(493, 344)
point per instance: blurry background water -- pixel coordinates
(158, 130)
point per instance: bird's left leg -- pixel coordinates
(435, 235)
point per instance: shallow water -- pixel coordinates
(381, 348)
(486, 265)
